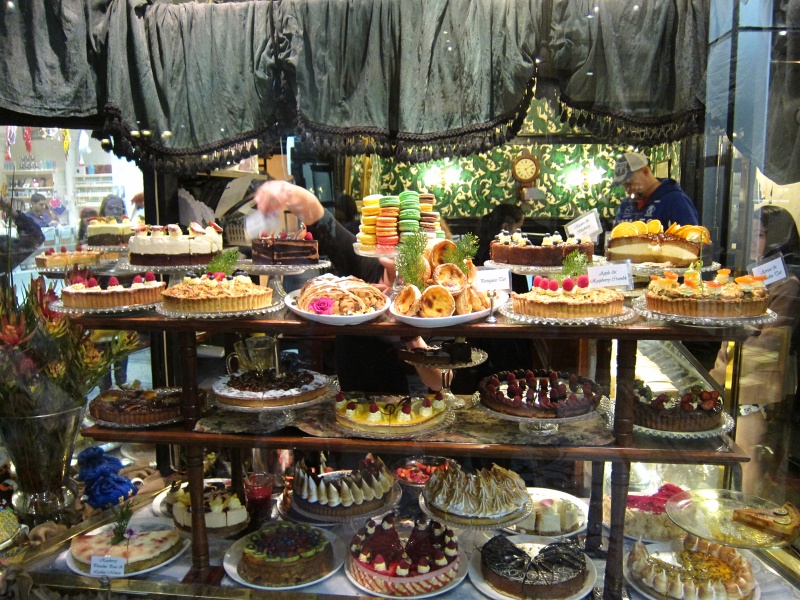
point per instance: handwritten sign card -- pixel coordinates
(108, 566)
(493, 279)
(586, 226)
(774, 268)
(612, 274)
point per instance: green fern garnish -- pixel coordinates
(121, 524)
(408, 261)
(466, 247)
(575, 264)
(224, 262)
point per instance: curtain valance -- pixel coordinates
(192, 86)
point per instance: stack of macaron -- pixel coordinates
(386, 225)
(408, 219)
(370, 209)
(429, 220)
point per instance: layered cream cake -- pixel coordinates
(106, 231)
(158, 245)
(387, 414)
(382, 562)
(216, 292)
(485, 497)
(87, 293)
(223, 512)
(145, 550)
(648, 243)
(321, 492)
(552, 516)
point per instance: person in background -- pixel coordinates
(112, 206)
(346, 212)
(86, 215)
(40, 211)
(137, 208)
(648, 197)
(16, 250)
(769, 364)
(365, 364)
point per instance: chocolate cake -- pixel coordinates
(284, 251)
(517, 249)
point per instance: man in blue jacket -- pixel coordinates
(648, 197)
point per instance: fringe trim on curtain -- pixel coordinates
(146, 150)
(415, 148)
(620, 128)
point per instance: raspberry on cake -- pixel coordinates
(539, 394)
(318, 491)
(285, 554)
(693, 410)
(517, 249)
(551, 299)
(646, 517)
(50, 259)
(387, 414)
(83, 293)
(382, 562)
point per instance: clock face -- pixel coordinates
(525, 169)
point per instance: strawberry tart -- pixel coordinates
(87, 293)
(567, 299)
(381, 562)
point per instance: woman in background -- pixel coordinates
(507, 217)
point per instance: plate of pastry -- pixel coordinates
(555, 514)
(329, 303)
(452, 319)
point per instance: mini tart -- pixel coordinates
(706, 570)
(136, 407)
(486, 497)
(67, 259)
(342, 493)
(80, 296)
(208, 295)
(579, 303)
(390, 417)
(380, 561)
(285, 554)
(252, 389)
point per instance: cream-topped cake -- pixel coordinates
(387, 414)
(224, 513)
(159, 245)
(106, 231)
(87, 293)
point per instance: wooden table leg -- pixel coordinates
(194, 469)
(594, 529)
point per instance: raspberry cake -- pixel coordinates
(485, 497)
(704, 570)
(533, 570)
(258, 389)
(567, 299)
(136, 407)
(87, 293)
(146, 550)
(216, 292)
(517, 249)
(381, 562)
(539, 394)
(318, 491)
(694, 410)
(389, 415)
(50, 259)
(646, 517)
(285, 554)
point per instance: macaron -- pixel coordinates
(372, 200)
(367, 229)
(426, 206)
(367, 239)
(389, 212)
(369, 219)
(386, 232)
(408, 195)
(408, 225)
(386, 222)
(389, 241)
(389, 201)
(409, 213)
(368, 211)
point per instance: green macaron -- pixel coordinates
(408, 213)
(389, 201)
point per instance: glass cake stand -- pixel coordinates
(478, 357)
(531, 425)
(640, 306)
(535, 270)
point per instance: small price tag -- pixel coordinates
(493, 279)
(586, 226)
(108, 566)
(774, 269)
(613, 274)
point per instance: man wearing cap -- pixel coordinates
(648, 197)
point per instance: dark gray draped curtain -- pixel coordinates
(192, 86)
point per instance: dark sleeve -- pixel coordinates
(29, 239)
(680, 208)
(337, 244)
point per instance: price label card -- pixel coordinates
(106, 565)
(493, 279)
(613, 274)
(586, 226)
(774, 268)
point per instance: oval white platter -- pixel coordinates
(429, 322)
(541, 493)
(234, 554)
(291, 304)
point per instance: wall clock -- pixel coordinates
(525, 169)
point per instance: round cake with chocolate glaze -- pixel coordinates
(382, 562)
(255, 389)
(517, 249)
(136, 407)
(693, 410)
(523, 570)
(539, 394)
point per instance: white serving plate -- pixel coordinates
(291, 304)
(499, 300)
(543, 493)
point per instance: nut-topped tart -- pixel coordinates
(387, 414)
(267, 388)
(540, 394)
